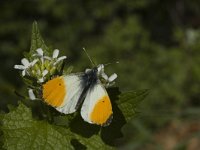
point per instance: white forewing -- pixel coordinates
(74, 88)
(92, 96)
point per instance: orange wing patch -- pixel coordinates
(102, 111)
(54, 91)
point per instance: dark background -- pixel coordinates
(155, 41)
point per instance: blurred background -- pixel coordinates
(156, 42)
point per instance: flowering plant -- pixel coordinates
(24, 128)
(39, 65)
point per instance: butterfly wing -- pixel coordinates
(64, 92)
(97, 108)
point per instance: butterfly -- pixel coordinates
(66, 93)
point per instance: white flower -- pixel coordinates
(40, 53)
(55, 56)
(25, 65)
(109, 80)
(105, 76)
(44, 73)
(55, 53)
(31, 94)
(112, 77)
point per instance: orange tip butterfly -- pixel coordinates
(66, 93)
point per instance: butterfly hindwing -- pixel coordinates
(97, 108)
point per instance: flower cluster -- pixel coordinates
(40, 66)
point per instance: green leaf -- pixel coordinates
(21, 131)
(62, 120)
(124, 109)
(69, 70)
(36, 39)
(94, 142)
(80, 142)
(128, 102)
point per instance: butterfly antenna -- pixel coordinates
(117, 62)
(92, 62)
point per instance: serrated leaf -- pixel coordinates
(128, 102)
(21, 131)
(94, 142)
(79, 142)
(36, 39)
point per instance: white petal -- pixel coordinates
(55, 53)
(34, 62)
(41, 80)
(42, 59)
(31, 94)
(38, 72)
(104, 76)
(25, 62)
(100, 67)
(21, 67)
(45, 72)
(112, 77)
(47, 57)
(40, 51)
(23, 72)
(59, 59)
